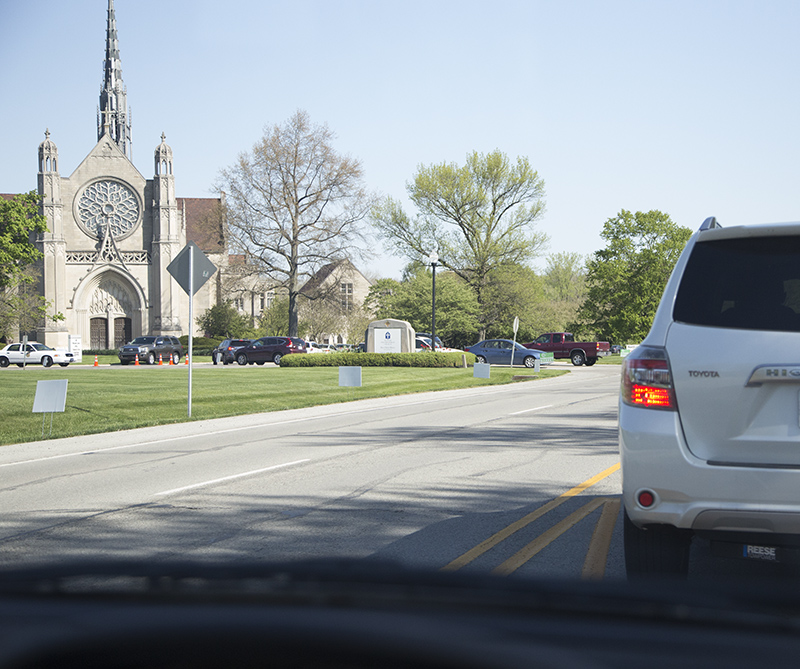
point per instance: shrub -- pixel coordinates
(200, 342)
(200, 345)
(426, 359)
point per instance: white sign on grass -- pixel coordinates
(481, 370)
(51, 396)
(350, 376)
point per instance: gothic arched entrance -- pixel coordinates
(114, 311)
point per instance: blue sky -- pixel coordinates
(686, 107)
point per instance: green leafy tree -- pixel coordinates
(513, 291)
(223, 321)
(625, 279)
(565, 277)
(411, 300)
(379, 299)
(479, 217)
(564, 287)
(274, 320)
(20, 305)
(356, 324)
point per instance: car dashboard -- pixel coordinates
(358, 614)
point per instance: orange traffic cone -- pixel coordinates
(96, 364)
(136, 364)
(186, 360)
(170, 359)
(160, 361)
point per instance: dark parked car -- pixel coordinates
(498, 352)
(226, 350)
(149, 348)
(269, 349)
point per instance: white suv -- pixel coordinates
(709, 412)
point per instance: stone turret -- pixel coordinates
(167, 242)
(51, 243)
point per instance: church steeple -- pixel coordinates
(113, 118)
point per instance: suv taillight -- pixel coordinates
(647, 379)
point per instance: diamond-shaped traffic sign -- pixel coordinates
(190, 263)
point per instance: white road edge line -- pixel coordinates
(229, 430)
(516, 413)
(230, 478)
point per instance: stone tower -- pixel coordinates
(113, 232)
(113, 117)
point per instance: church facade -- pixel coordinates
(112, 232)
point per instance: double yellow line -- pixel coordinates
(594, 563)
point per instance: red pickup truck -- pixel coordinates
(563, 345)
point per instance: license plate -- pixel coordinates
(763, 553)
(758, 552)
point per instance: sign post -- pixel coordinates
(514, 347)
(191, 269)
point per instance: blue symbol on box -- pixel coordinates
(387, 335)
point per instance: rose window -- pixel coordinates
(108, 204)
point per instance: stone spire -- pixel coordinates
(113, 119)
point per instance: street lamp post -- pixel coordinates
(433, 259)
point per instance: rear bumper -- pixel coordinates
(692, 494)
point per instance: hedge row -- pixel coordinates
(348, 359)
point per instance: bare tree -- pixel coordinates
(322, 317)
(294, 205)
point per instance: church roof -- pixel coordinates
(204, 223)
(324, 273)
(316, 281)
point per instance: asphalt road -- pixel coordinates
(520, 479)
(421, 479)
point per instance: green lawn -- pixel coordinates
(615, 359)
(104, 399)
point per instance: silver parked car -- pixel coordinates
(709, 412)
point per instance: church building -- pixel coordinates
(112, 232)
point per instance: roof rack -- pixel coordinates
(710, 223)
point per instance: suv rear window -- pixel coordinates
(748, 283)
